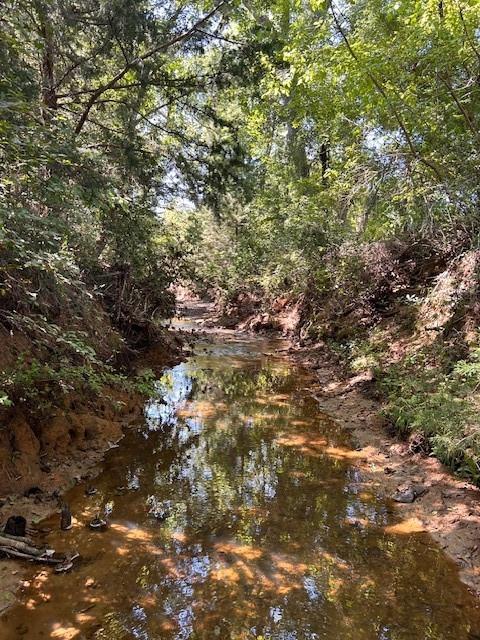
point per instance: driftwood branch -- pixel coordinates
(21, 548)
(13, 553)
(18, 544)
(17, 538)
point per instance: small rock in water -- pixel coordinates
(66, 565)
(98, 524)
(63, 567)
(410, 494)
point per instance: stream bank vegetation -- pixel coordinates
(100, 103)
(313, 166)
(358, 226)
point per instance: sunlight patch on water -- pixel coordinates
(237, 513)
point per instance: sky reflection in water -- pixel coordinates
(230, 521)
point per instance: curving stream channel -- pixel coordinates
(236, 514)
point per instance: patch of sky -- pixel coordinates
(310, 587)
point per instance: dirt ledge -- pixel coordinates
(68, 449)
(449, 510)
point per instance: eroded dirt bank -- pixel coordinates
(449, 509)
(41, 459)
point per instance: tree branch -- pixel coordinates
(378, 85)
(162, 47)
(217, 37)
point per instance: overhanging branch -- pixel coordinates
(111, 84)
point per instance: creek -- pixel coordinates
(234, 513)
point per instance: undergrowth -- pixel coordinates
(438, 401)
(75, 367)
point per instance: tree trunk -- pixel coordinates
(298, 154)
(47, 64)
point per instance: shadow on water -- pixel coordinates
(236, 514)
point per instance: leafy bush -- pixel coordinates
(79, 369)
(440, 405)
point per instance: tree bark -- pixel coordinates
(47, 64)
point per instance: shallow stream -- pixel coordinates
(237, 514)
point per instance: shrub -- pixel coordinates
(439, 404)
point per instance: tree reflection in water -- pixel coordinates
(239, 520)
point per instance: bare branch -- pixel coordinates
(217, 37)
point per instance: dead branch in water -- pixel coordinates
(14, 553)
(21, 549)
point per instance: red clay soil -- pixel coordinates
(41, 458)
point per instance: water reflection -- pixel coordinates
(233, 515)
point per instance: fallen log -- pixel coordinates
(13, 543)
(14, 553)
(12, 547)
(21, 538)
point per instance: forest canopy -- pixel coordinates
(326, 151)
(291, 126)
(352, 122)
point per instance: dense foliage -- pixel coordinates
(361, 133)
(101, 107)
(363, 124)
(313, 148)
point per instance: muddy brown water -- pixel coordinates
(237, 514)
